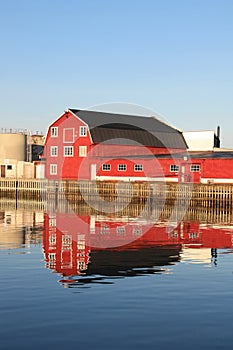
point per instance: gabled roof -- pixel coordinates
(114, 128)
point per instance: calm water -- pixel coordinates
(114, 283)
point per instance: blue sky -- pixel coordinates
(173, 56)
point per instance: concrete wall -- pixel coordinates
(13, 146)
(16, 169)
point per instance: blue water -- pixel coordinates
(185, 303)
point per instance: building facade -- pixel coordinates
(88, 145)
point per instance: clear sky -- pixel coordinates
(172, 56)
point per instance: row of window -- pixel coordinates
(193, 168)
(139, 167)
(68, 151)
(122, 167)
(68, 133)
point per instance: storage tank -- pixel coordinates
(13, 146)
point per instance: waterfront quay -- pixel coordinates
(219, 196)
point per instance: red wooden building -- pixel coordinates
(94, 145)
(88, 145)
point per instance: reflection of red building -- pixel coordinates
(80, 246)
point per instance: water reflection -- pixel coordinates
(88, 247)
(20, 228)
(84, 253)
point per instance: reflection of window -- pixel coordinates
(52, 256)
(52, 239)
(194, 168)
(138, 167)
(106, 167)
(193, 235)
(137, 231)
(121, 230)
(53, 169)
(121, 167)
(52, 222)
(68, 151)
(82, 151)
(81, 242)
(53, 151)
(174, 168)
(66, 240)
(104, 229)
(81, 265)
(83, 131)
(54, 131)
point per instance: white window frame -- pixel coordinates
(120, 166)
(138, 167)
(64, 132)
(195, 168)
(52, 149)
(82, 151)
(83, 131)
(53, 169)
(68, 151)
(54, 131)
(107, 166)
(174, 168)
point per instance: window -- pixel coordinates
(54, 131)
(138, 167)
(82, 151)
(68, 151)
(174, 168)
(53, 169)
(122, 167)
(83, 131)
(68, 135)
(194, 168)
(53, 151)
(106, 167)
(9, 167)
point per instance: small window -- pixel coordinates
(122, 167)
(9, 167)
(53, 169)
(106, 167)
(53, 151)
(82, 151)
(138, 167)
(194, 168)
(54, 131)
(83, 131)
(174, 168)
(68, 151)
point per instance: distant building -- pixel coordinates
(202, 140)
(18, 151)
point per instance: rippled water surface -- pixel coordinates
(76, 284)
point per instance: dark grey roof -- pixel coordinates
(115, 128)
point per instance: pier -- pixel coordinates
(206, 196)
